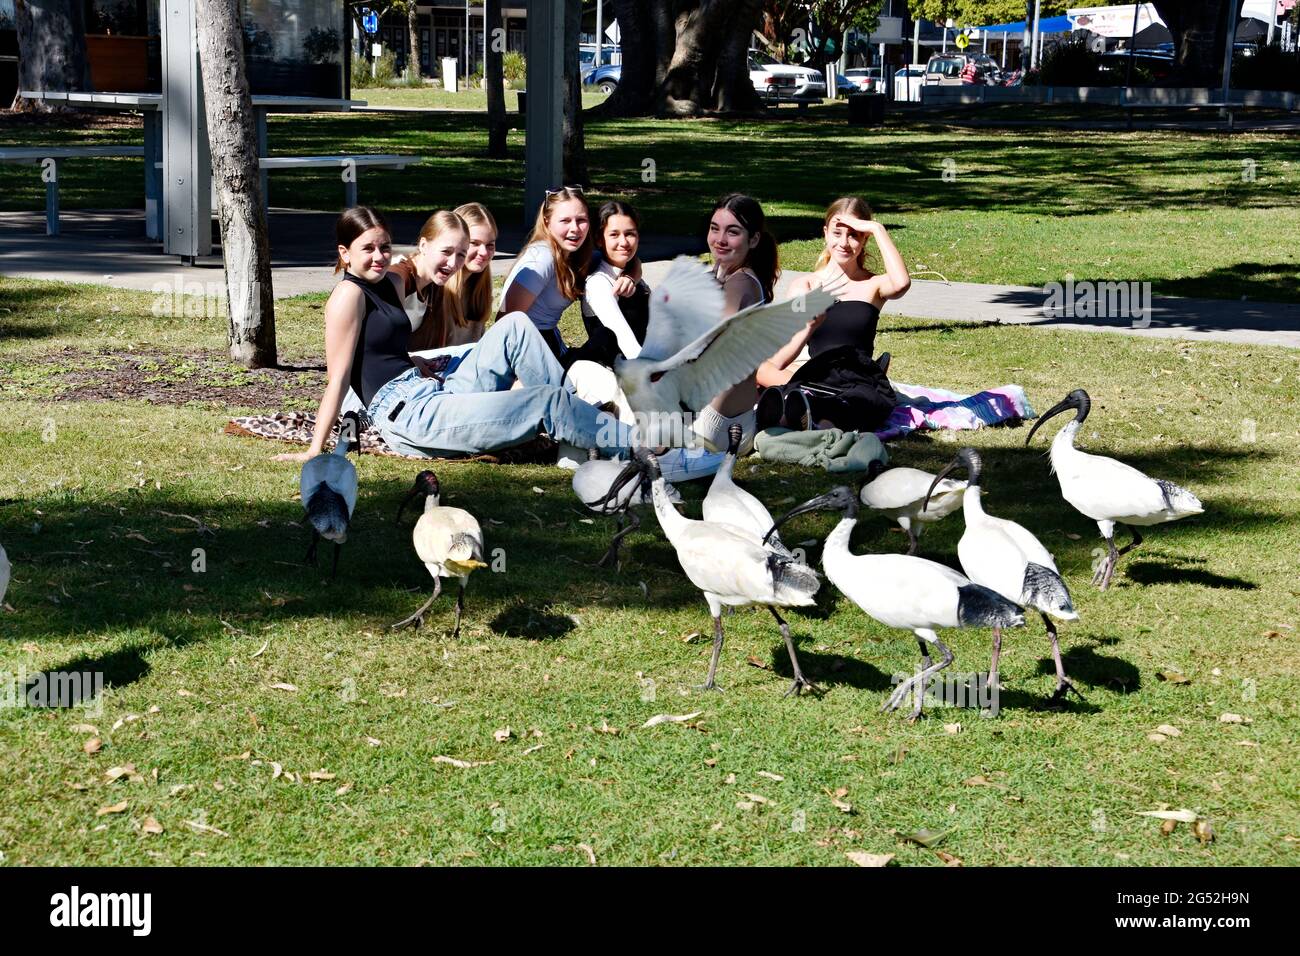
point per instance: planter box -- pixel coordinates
(118, 64)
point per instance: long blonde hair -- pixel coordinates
(848, 205)
(469, 294)
(431, 332)
(570, 270)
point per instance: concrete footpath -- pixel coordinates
(108, 248)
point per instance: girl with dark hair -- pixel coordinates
(745, 261)
(464, 407)
(840, 385)
(552, 268)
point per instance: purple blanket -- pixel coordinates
(938, 408)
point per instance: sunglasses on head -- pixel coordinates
(572, 189)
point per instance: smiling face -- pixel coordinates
(620, 240)
(844, 245)
(569, 224)
(729, 241)
(442, 257)
(369, 255)
(482, 247)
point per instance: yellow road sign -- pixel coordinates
(963, 41)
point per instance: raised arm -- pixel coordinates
(895, 280)
(602, 301)
(776, 370)
(343, 314)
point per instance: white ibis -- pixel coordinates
(1004, 557)
(731, 567)
(692, 353)
(905, 592)
(1109, 491)
(328, 488)
(4, 574)
(592, 481)
(899, 493)
(448, 540)
(728, 503)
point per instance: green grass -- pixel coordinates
(91, 503)
(1173, 208)
(435, 97)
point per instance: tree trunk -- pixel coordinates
(493, 81)
(689, 57)
(413, 38)
(1199, 30)
(245, 246)
(575, 151)
(51, 50)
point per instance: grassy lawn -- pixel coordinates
(103, 504)
(435, 97)
(1195, 214)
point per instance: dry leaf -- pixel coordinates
(744, 805)
(979, 780)
(291, 688)
(1168, 827)
(771, 776)
(502, 735)
(711, 762)
(1173, 677)
(755, 662)
(1247, 743)
(605, 728)
(730, 779)
(1182, 816)
(93, 745)
(150, 825)
(1158, 738)
(260, 651)
(926, 838)
(533, 749)
(591, 854)
(198, 826)
(373, 741)
(670, 719)
(1203, 831)
(319, 775)
(869, 859)
(461, 764)
(1169, 730)
(84, 729)
(952, 728)
(343, 789)
(76, 786)
(757, 798)
(1233, 719)
(948, 858)
(692, 637)
(114, 808)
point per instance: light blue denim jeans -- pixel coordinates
(474, 409)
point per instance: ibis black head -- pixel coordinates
(841, 499)
(874, 468)
(734, 434)
(426, 484)
(350, 432)
(968, 458)
(1077, 400)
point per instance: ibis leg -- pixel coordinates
(1137, 539)
(416, 619)
(997, 653)
(460, 606)
(1063, 683)
(611, 556)
(912, 541)
(1102, 577)
(709, 683)
(311, 548)
(925, 653)
(918, 683)
(800, 682)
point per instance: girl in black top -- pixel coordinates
(840, 385)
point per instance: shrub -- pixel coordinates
(385, 73)
(1071, 63)
(1268, 68)
(514, 66)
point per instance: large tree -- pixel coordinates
(245, 245)
(493, 80)
(785, 22)
(51, 49)
(575, 150)
(684, 57)
(1200, 32)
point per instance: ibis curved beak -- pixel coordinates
(820, 503)
(1064, 405)
(405, 502)
(948, 470)
(608, 503)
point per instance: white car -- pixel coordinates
(908, 82)
(782, 82)
(865, 78)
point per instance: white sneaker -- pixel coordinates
(570, 456)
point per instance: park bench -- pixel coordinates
(349, 166)
(39, 155)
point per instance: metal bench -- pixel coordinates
(348, 164)
(48, 158)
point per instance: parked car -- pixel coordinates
(1156, 64)
(783, 82)
(908, 82)
(946, 69)
(604, 78)
(844, 86)
(865, 78)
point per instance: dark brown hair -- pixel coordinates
(763, 259)
(352, 223)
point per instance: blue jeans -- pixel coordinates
(474, 409)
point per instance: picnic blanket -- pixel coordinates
(938, 408)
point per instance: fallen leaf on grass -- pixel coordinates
(1168, 827)
(927, 838)
(461, 764)
(692, 637)
(591, 854)
(373, 741)
(31, 648)
(93, 745)
(343, 789)
(291, 688)
(533, 749)
(948, 858)
(1158, 738)
(76, 786)
(260, 651)
(771, 776)
(1169, 730)
(757, 798)
(122, 722)
(1182, 816)
(605, 728)
(84, 729)
(670, 719)
(502, 735)
(319, 775)
(755, 662)
(198, 826)
(869, 859)
(979, 780)
(1247, 743)
(711, 762)
(1173, 677)
(114, 808)
(1203, 830)
(952, 728)
(150, 825)
(1233, 719)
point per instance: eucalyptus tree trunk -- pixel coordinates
(493, 80)
(51, 50)
(245, 245)
(413, 38)
(575, 150)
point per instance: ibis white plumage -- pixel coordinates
(1108, 491)
(899, 493)
(1005, 557)
(592, 481)
(448, 540)
(905, 592)
(328, 488)
(728, 503)
(731, 567)
(692, 353)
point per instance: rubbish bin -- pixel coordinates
(523, 101)
(449, 73)
(867, 109)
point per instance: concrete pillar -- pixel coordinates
(187, 162)
(543, 144)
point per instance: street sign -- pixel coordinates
(369, 21)
(963, 41)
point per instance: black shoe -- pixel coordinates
(798, 413)
(883, 362)
(770, 406)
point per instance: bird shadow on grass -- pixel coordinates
(77, 682)
(1084, 665)
(534, 622)
(1149, 572)
(827, 669)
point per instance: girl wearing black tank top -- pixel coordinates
(840, 385)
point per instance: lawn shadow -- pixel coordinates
(534, 622)
(1085, 665)
(826, 669)
(77, 682)
(1148, 572)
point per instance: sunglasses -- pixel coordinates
(572, 189)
